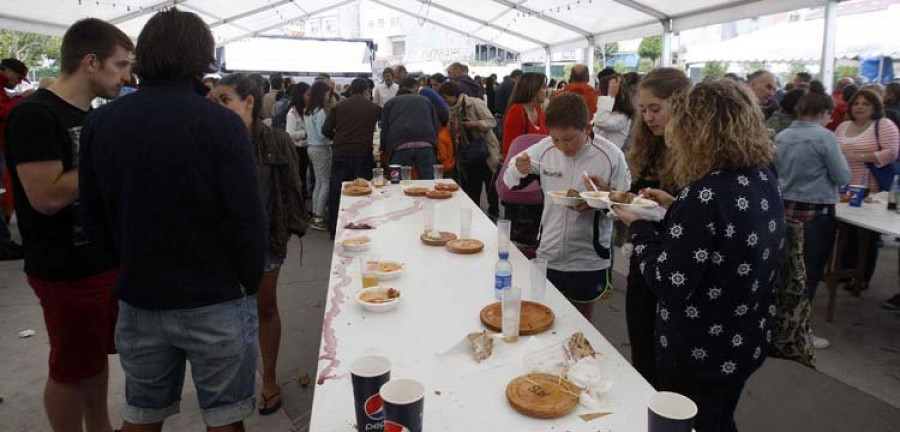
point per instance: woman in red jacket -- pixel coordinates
(524, 115)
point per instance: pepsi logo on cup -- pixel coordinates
(374, 408)
(390, 426)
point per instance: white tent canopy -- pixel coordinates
(521, 25)
(802, 40)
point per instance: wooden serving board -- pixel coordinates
(357, 190)
(446, 186)
(542, 395)
(535, 317)
(465, 246)
(415, 191)
(439, 194)
(441, 241)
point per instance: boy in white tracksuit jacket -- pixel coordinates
(576, 242)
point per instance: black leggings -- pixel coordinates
(302, 168)
(640, 316)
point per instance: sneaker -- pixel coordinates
(820, 343)
(319, 224)
(892, 303)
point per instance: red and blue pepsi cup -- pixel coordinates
(369, 374)
(857, 195)
(404, 402)
(394, 171)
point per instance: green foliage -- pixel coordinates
(567, 70)
(754, 66)
(651, 48)
(620, 67)
(646, 65)
(715, 69)
(845, 71)
(31, 48)
(797, 67)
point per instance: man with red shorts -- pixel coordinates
(72, 277)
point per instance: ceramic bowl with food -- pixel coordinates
(389, 270)
(378, 298)
(596, 199)
(356, 243)
(569, 198)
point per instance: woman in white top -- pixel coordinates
(319, 149)
(614, 110)
(296, 128)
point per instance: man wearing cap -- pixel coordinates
(12, 72)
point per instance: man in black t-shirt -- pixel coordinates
(72, 276)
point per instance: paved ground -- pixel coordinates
(855, 389)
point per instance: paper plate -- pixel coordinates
(560, 198)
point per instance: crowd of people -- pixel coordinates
(156, 225)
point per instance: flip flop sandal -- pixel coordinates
(270, 409)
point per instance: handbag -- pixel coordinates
(473, 149)
(884, 176)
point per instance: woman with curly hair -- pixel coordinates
(651, 169)
(712, 263)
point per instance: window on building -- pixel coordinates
(314, 27)
(330, 26)
(398, 48)
(380, 22)
(371, 24)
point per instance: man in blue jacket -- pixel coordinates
(168, 182)
(409, 128)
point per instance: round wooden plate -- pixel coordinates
(542, 395)
(440, 241)
(535, 317)
(445, 186)
(415, 191)
(439, 194)
(353, 190)
(465, 246)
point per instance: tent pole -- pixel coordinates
(549, 54)
(667, 43)
(590, 59)
(827, 67)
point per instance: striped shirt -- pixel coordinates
(889, 138)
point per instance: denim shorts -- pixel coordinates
(220, 342)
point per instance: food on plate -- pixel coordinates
(578, 347)
(356, 241)
(445, 186)
(387, 267)
(483, 344)
(622, 197)
(438, 194)
(572, 193)
(359, 182)
(356, 226)
(357, 190)
(415, 191)
(379, 296)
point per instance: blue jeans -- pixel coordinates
(219, 340)
(320, 157)
(345, 168)
(423, 159)
(818, 241)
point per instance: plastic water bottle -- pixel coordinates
(502, 275)
(894, 196)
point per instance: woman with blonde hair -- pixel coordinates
(712, 263)
(650, 168)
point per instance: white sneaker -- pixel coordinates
(820, 343)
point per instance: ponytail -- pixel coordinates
(815, 102)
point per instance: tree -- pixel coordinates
(845, 71)
(645, 65)
(602, 51)
(714, 69)
(620, 67)
(30, 48)
(651, 48)
(755, 66)
(797, 67)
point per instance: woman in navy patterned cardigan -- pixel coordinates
(713, 262)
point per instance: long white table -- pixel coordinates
(873, 217)
(442, 295)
